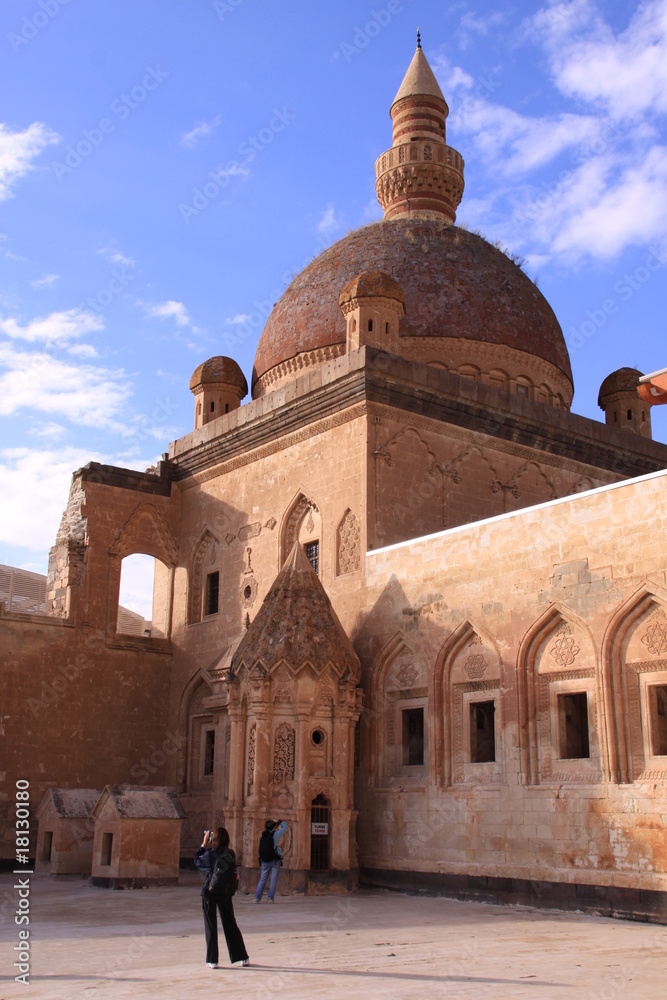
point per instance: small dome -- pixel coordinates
(622, 380)
(219, 371)
(370, 283)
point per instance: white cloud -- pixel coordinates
(82, 351)
(46, 281)
(84, 394)
(48, 430)
(201, 131)
(116, 257)
(56, 328)
(18, 150)
(328, 224)
(625, 73)
(233, 170)
(170, 310)
(237, 319)
(470, 25)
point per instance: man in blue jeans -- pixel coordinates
(270, 857)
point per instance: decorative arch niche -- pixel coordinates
(634, 672)
(468, 708)
(204, 564)
(303, 523)
(559, 698)
(400, 715)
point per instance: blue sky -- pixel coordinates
(117, 278)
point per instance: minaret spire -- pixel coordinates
(420, 176)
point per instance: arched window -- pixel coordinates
(143, 599)
(303, 524)
(204, 579)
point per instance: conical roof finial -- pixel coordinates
(419, 39)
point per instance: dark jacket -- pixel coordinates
(205, 859)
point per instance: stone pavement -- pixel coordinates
(96, 943)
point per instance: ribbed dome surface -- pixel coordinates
(456, 285)
(622, 380)
(218, 370)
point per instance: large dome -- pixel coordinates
(466, 304)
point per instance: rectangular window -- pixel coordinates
(573, 726)
(47, 846)
(658, 703)
(413, 736)
(107, 844)
(212, 593)
(209, 752)
(313, 553)
(482, 732)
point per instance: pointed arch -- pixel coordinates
(348, 544)
(146, 531)
(445, 722)
(204, 551)
(409, 690)
(302, 506)
(533, 711)
(191, 721)
(621, 686)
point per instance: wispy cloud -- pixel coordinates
(18, 150)
(81, 393)
(237, 319)
(170, 310)
(328, 223)
(116, 257)
(471, 25)
(201, 131)
(46, 281)
(56, 328)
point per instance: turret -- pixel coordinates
(218, 386)
(372, 304)
(622, 406)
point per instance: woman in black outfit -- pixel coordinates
(216, 842)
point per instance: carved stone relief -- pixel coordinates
(283, 754)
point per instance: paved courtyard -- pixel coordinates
(95, 943)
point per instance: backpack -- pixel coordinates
(224, 876)
(267, 847)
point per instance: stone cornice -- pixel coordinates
(371, 376)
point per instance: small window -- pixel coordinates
(482, 732)
(354, 326)
(521, 389)
(313, 553)
(370, 326)
(643, 416)
(629, 414)
(47, 845)
(413, 736)
(428, 153)
(386, 328)
(209, 752)
(573, 726)
(658, 707)
(199, 408)
(615, 417)
(107, 846)
(317, 736)
(212, 593)
(212, 407)
(226, 407)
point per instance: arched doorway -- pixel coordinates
(319, 834)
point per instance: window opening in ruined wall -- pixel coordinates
(138, 579)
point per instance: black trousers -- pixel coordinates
(233, 936)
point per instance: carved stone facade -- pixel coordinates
(405, 590)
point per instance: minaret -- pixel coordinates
(420, 176)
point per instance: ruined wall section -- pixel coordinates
(67, 556)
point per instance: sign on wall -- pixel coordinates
(319, 829)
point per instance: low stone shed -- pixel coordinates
(137, 837)
(65, 831)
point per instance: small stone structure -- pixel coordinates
(137, 837)
(65, 831)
